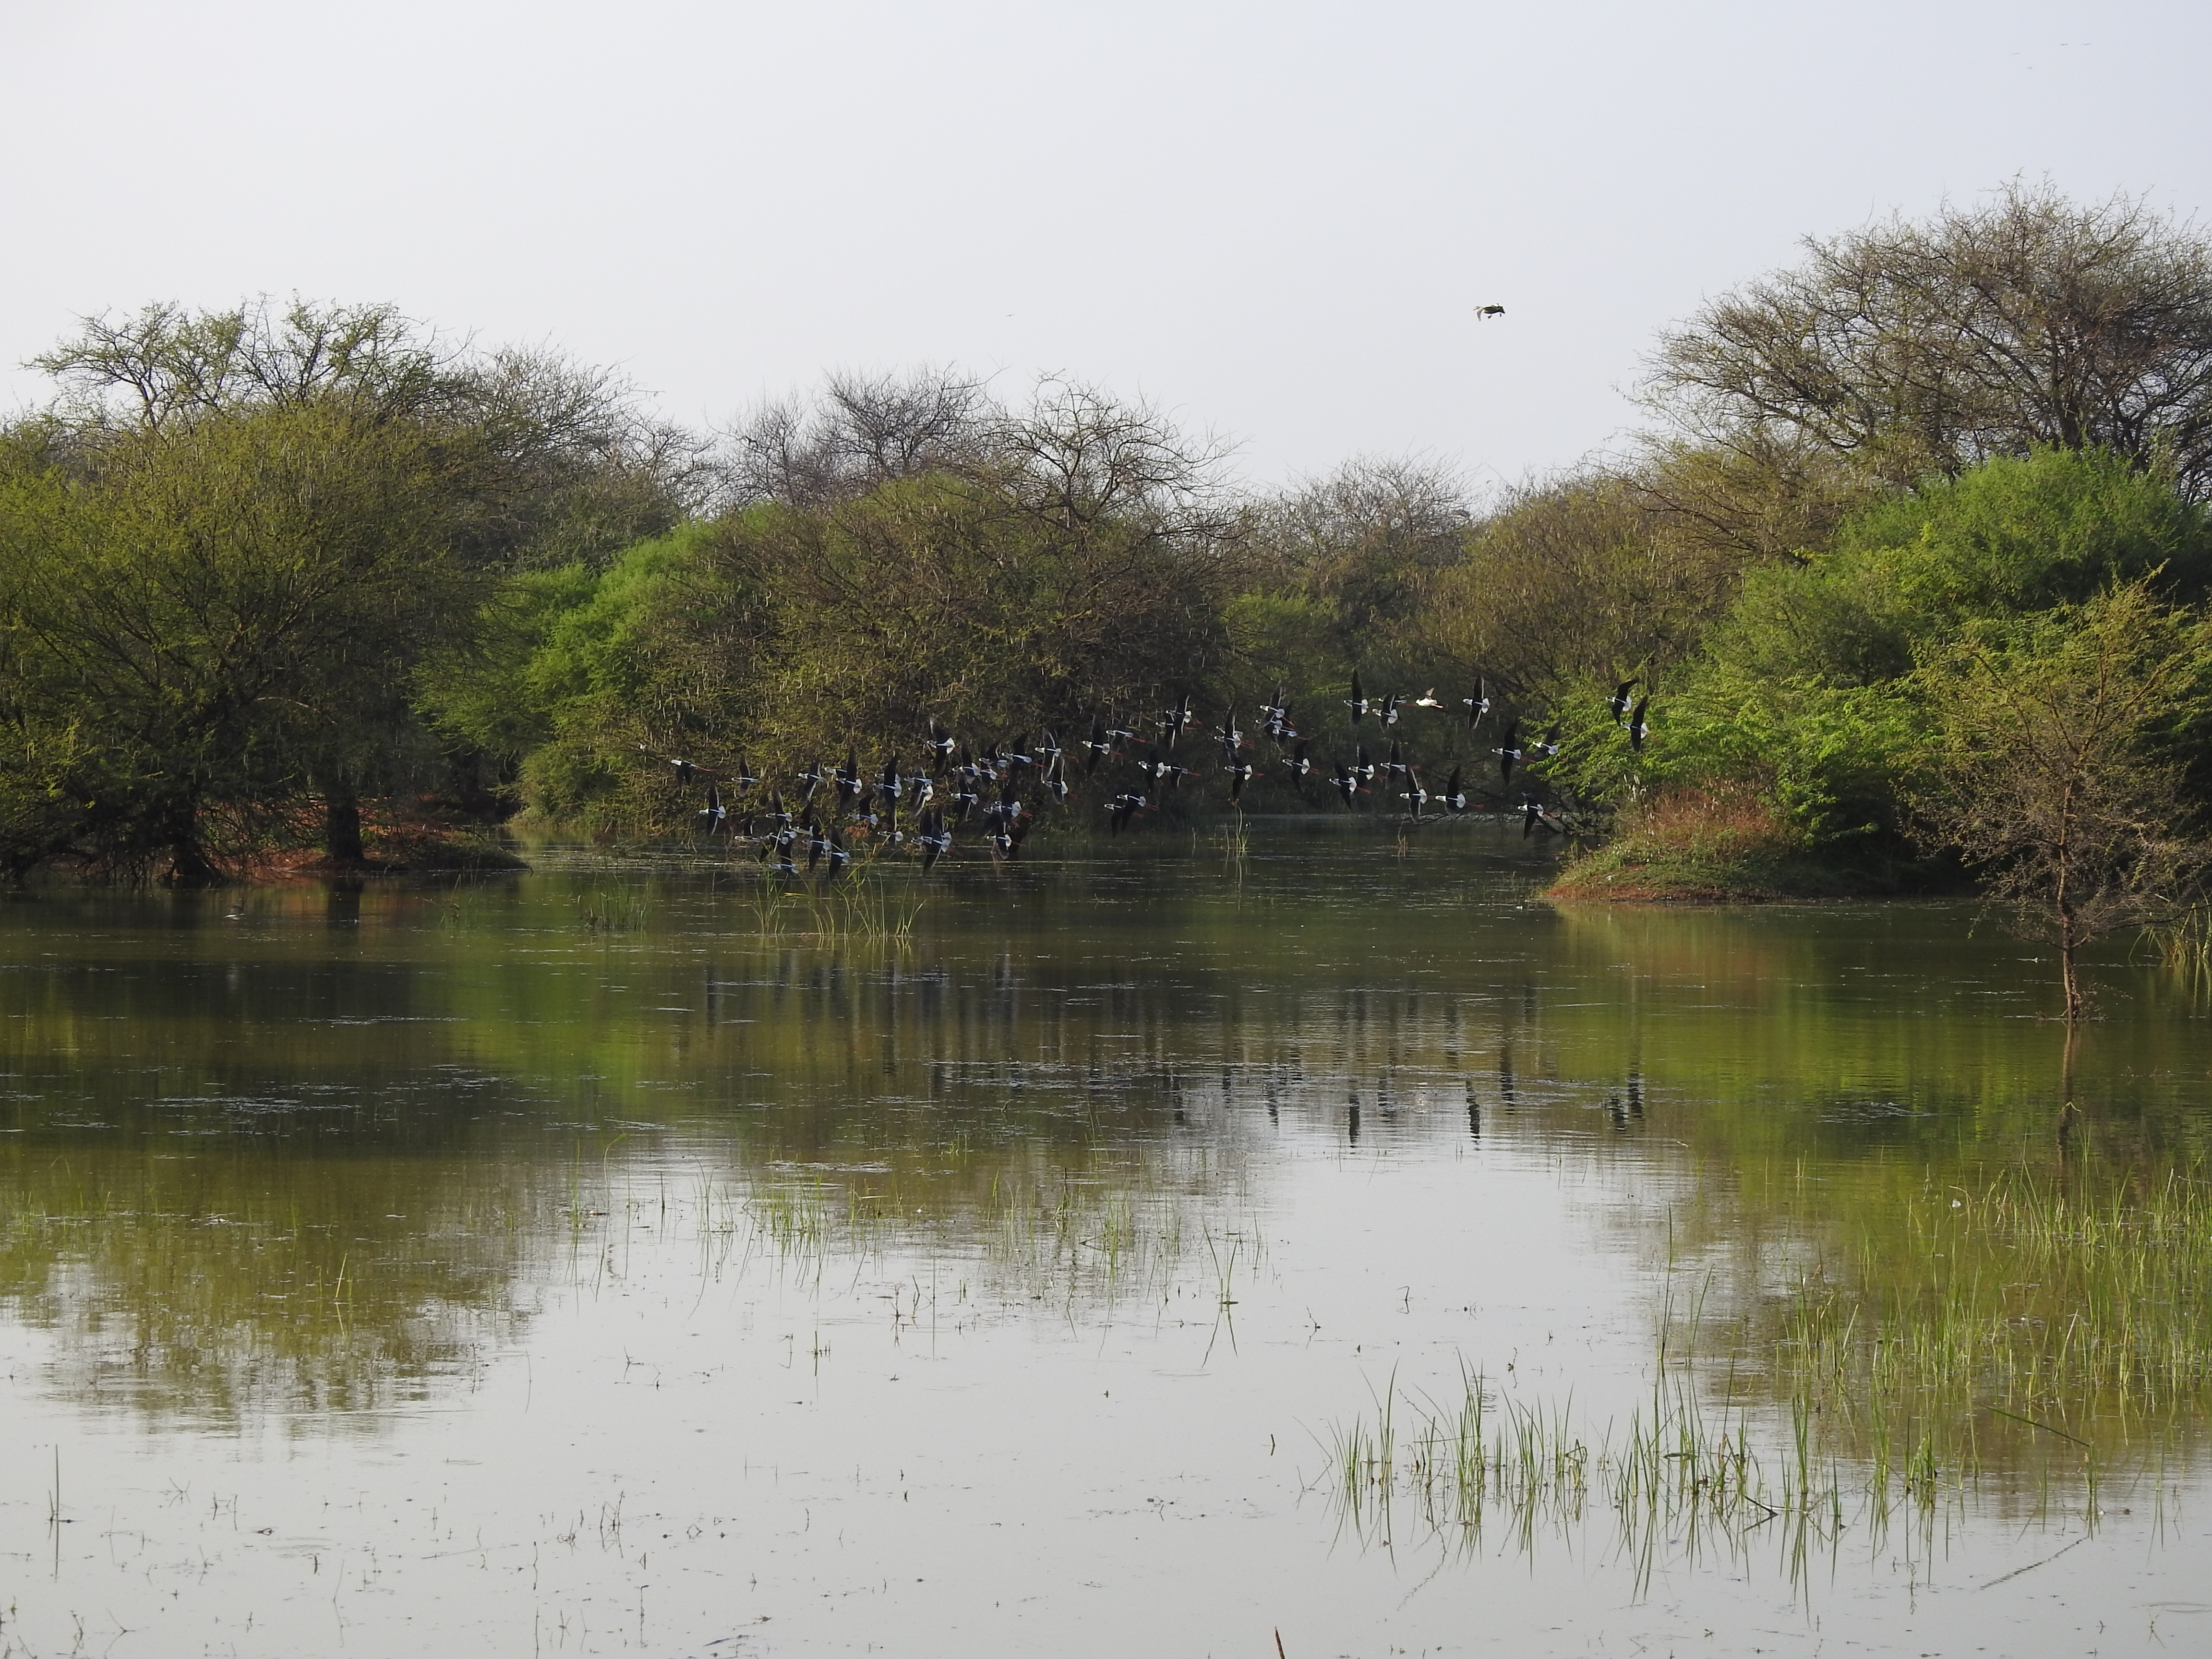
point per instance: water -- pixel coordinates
(621, 1259)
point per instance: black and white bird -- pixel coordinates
(1348, 783)
(1098, 746)
(1508, 751)
(1173, 722)
(932, 837)
(1478, 705)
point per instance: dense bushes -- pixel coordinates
(1810, 684)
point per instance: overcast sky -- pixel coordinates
(1274, 220)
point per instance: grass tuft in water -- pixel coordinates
(2051, 1313)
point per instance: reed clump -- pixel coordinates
(1682, 1468)
(2039, 1334)
(862, 912)
(2185, 950)
(2062, 1311)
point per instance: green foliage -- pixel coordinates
(782, 634)
(2014, 535)
(1569, 585)
(2064, 742)
(1810, 688)
(208, 626)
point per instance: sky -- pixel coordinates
(1274, 221)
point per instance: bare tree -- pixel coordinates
(1926, 347)
(2059, 767)
(859, 431)
(577, 467)
(164, 366)
(1078, 456)
(1771, 493)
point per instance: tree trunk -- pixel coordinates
(341, 836)
(178, 835)
(189, 867)
(2069, 942)
(2068, 1113)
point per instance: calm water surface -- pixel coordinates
(625, 1258)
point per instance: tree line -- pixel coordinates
(266, 570)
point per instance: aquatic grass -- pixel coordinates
(2046, 1312)
(2184, 949)
(624, 912)
(2035, 1334)
(859, 909)
(1488, 1458)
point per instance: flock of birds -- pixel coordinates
(1001, 790)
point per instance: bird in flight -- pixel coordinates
(1478, 705)
(1487, 311)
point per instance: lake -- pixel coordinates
(1181, 1245)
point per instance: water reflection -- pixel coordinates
(318, 1159)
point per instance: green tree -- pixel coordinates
(1568, 584)
(209, 625)
(1043, 565)
(2060, 768)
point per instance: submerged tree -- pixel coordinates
(2061, 766)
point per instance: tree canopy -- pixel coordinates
(1918, 347)
(267, 568)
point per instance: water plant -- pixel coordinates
(2062, 1310)
(2039, 1334)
